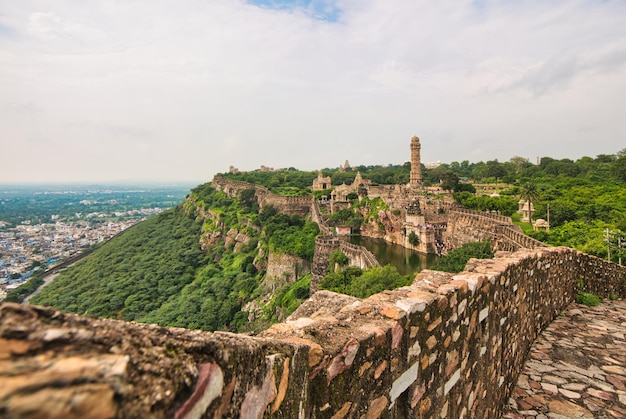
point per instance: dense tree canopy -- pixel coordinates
(157, 272)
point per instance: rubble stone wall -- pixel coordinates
(233, 187)
(446, 346)
(287, 267)
(325, 245)
(300, 205)
(468, 226)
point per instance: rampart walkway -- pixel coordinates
(577, 367)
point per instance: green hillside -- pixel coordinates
(199, 264)
(158, 273)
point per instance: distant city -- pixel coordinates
(41, 226)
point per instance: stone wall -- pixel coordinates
(446, 346)
(286, 268)
(233, 187)
(325, 245)
(467, 226)
(300, 205)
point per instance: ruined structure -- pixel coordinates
(357, 256)
(290, 205)
(446, 346)
(321, 183)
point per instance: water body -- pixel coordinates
(405, 260)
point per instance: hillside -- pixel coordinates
(204, 264)
(194, 266)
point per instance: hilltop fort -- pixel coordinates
(447, 345)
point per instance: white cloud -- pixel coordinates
(181, 90)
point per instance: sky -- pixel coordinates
(164, 90)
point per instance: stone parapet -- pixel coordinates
(446, 346)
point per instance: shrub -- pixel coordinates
(588, 299)
(414, 238)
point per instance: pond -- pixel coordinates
(405, 260)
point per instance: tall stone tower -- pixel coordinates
(416, 166)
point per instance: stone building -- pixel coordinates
(524, 210)
(416, 164)
(321, 183)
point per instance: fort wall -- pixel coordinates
(234, 187)
(300, 205)
(467, 226)
(446, 346)
(325, 245)
(286, 268)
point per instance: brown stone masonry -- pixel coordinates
(446, 346)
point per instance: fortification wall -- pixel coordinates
(300, 205)
(325, 245)
(233, 187)
(446, 346)
(286, 268)
(467, 226)
(359, 255)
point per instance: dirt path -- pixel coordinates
(48, 279)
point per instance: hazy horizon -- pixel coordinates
(106, 91)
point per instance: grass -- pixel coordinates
(588, 299)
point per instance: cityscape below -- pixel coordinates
(41, 226)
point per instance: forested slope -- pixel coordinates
(132, 274)
(158, 273)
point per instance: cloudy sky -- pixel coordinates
(107, 90)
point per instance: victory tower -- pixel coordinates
(416, 167)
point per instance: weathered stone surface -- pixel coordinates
(343, 360)
(445, 345)
(392, 312)
(573, 351)
(76, 402)
(343, 411)
(208, 388)
(569, 410)
(259, 397)
(377, 407)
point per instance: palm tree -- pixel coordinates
(529, 193)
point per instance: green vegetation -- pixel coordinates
(287, 299)
(284, 181)
(456, 259)
(356, 282)
(584, 198)
(505, 205)
(134, 274)
(157, 272)
(414, 238)
(18, 294)
(346, 217)
(588, 299)
(530, 194)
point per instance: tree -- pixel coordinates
(529, 192)
(337, 258)
(414, 238)
(519, 163)
(619, 168)
(456, 259)
(449, 180)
